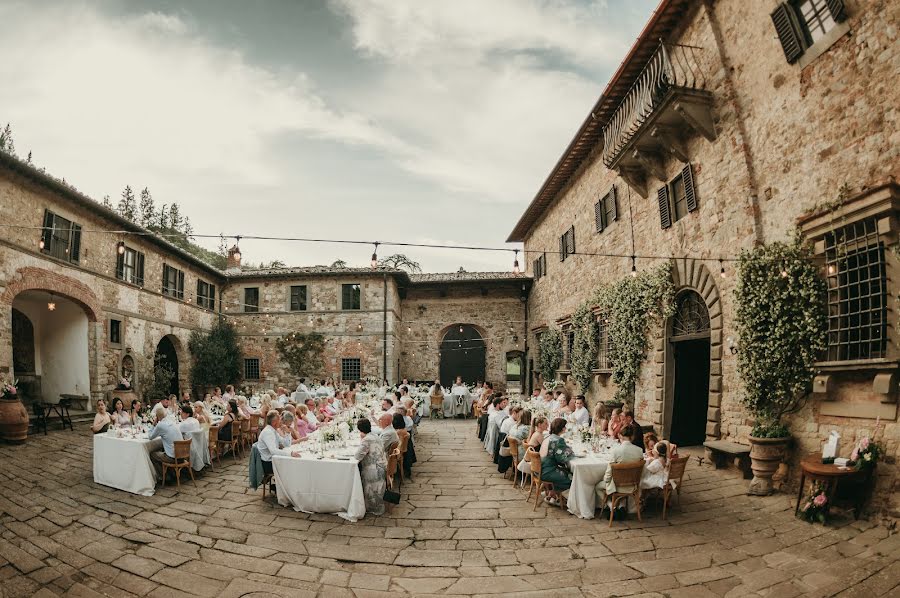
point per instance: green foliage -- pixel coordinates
(631, 306)
(302, 352)
(6, 141)
(157, 383)
(127, 205)
(216, 357)
(584, 348)
(781, 320)
(398, 261)
(550, 357)
(761, 430)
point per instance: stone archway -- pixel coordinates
(463, 352)
(168, 352)
(690, 275)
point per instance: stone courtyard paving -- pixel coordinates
(461, 529)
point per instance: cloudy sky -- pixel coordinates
(417, 121)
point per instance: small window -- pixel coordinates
(206, 295)
(801, 23)
(679, 201)
(606, 211)
(115, 332)
(350, 297)
(350, 369)
(815, 19)
(61, 238)
(173, 282)
(130, 267)
(567, 244)
(603, 343)
(251, 368)
(298, 298)
(251, 299)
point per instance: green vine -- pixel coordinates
(551, 348)
(584, 349)
(781, 321)
(632, 305)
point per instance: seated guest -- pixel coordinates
(229, 393)
(650, 439)
(372, 467)
(534, 439)
(271, 442)
(623, 452)
(555, 457)
(265, 405)
(520, 431)
(188, 423)
(288, 429)
(135, 413)
(281, 396)
(232, 415)
(166, 430)
(536, 393)
(615, 423)
(409, 457)
(102, 419)
(580, 415)
(325, 413)
(388, 433)
(203, 417)
(186, 397)
(244, 408)
(510, 422)
(166, 404)
(657, 468)
(303, 425)
(410, 415)
(671, 449)
(311, 412)
(562, 400)
(549, 399)
(504, 461)
(350, 396)
(209, 402)
(217, 396)
(601, 421)
(387, 405)
(637, 438)
(119, 416)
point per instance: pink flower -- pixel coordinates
(820, 500)
(864, 443)
(854, 455)
(12, 390)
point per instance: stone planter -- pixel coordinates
(766, 454)
(13, 420)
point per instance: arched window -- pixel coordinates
(691, 315)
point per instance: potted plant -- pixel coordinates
(13, 416)
(781, 321)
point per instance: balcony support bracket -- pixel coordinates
(668, 140)
(651, 163)
(699, 117)
(634, 180)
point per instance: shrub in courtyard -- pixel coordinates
(215, 356)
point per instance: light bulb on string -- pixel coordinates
(41, 243)
(784, 273)
(120, 247)
(721, 268)
(237, 248)
(460, 329)
(516, 263)
(375, 257)
(633, 266)
(51, 304)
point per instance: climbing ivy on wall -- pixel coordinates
(584, 348)
(551, 353)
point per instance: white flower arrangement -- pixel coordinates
(333, 434)
(217, 409)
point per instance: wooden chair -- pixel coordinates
(254, 428)
(393, 459)
(267, 481)
(627, 478)
(245, 434)
(537, 485)
(513, 443)
(182, 460)
(437, 406)
(404, 445)
(235, 442)
(476, 412)
(676, 473)
(214, 446)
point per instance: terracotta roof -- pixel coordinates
(466, 277)
(589, 135)
(292, 271)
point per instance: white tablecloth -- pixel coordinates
(587, 472)
(460, 404)
(315, 485)
(124, 463)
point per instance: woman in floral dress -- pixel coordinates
(372, 467)
(555, 457)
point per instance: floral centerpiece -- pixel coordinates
(8, 389)
(553, 383)
(333, 434)
(587, 435)
(217, 409)
(815, 508)
(866, 454)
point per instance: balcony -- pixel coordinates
(667, 103)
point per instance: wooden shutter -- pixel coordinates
(788, 30)
(613, 204)
(562, 247)
(570, 242)
(200, 299)
(543, 264)
(181, 284)
(165, 280)
(47, 232)
(211, 301)
(75, 252)
(599, 216)
(837, 10)
(690, 195)
(665, 214)
(139, 269)
(120, 266)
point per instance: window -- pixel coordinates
(567, 244)
(173, 282)
(857, 293)
(568, 344)
(130, 267)
(298, 298)
(206, 295)
(115, 332)
(801, 23)
(678, 198)
(606, 211)
(251, 368)
(603, 343)
(251, 299)
(61, 237)
(350, 296)
(350, 368)
(539, 266)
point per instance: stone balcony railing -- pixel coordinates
(668, 97)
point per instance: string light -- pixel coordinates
(237, 248)
(375, 256)
(633, 266)
(516, 263)
(831, 268)
(784, 273)
(721, 268)
(51, 305)
(120, 247)
(41, 243)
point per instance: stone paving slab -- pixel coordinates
(461, 529)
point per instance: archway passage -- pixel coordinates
(166, 355)
(691, 350)
(463, 353)
(515, 367)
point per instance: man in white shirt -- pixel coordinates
(581, 416)
(189, 423)
(302, 386)
(311, 412)
(166, 430)
(270, 441)
(387, 405)
(624, 452)
(388, 433)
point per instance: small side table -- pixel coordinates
(62, 410)
(830, 475)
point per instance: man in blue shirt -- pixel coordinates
(169, 433)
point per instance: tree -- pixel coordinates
(157, 383)
(107, 203)
(127, 205)
(398, 261)
(6, 141)
(273, 264)
(302, 352)
(175, 220)
(162, 217)
(338, 264)
(215, 356)
(146, 208)
(187, 229)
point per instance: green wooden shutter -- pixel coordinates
(614, 204)
(690, 196)
(181, 284)
(120, 266)
(837, 10)
(47, 231)
(75, 252)
(139, 269)
(665, 214)
(570, 244)
(599, 216)
(788, 30)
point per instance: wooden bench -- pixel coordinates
(722, 451)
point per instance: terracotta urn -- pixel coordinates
(766, 454)
(13, 420)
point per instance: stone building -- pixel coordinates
(729, 124)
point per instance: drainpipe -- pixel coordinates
(384, 331)
(525, 369)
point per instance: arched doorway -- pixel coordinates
(166, 357)
(515, 368)
(690, 342)
(463, 353)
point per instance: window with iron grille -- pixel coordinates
(569, 336)
(603, 343)
(206, 294)
(857, 292)
(130, 266)
(61, 237)
(298, 298)
(350, 368)
(350, 296)
(115, 332)
(173, 282)
(251, 299)
(606, 211)
(251, 368)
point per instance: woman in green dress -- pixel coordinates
(555, 457)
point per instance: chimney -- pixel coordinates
(233, 261)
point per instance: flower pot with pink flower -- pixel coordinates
(13, 415)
